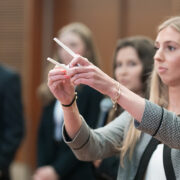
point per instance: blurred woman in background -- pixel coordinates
(132, 65)
(55, 159)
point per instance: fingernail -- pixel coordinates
(63, 71)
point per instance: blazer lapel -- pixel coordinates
(168, 167)
(145, 158)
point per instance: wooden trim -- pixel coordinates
(123, 17)
(33, 76)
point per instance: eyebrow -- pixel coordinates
(166, 42)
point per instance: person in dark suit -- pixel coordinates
(55, 160)
(11, 118)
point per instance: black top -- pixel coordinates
(58, 154)
(11, 116)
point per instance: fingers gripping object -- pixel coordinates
(66, 49)
(63, 66)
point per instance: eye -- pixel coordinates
(156, 48)
(118, 65)
(132, 63)
(171, 48)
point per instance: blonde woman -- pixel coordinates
(156, 153)
(54, 158)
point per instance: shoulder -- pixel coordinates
(7, 74)
(4, 70)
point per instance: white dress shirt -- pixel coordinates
(155, 169)
(58, 120)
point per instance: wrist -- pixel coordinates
(71, 108)
(72, 102)
(115, 93)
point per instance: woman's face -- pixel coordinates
(129, 69)
(74, 42)
(167, 57)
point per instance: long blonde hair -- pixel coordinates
(158, 90)
(91, 53)
(158, 95)
(145, 50)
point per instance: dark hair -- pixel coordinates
(144, 47)
(145, 50)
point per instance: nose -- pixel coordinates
(123, 70)
(159, 56)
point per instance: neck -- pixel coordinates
(174, 99)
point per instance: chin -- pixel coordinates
(169, 82)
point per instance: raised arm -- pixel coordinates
(150, 118)
(61, 84)
(84, 72)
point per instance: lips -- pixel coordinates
(162, 69)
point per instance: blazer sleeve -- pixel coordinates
(12, 120)
(160, 123)
(90, 145)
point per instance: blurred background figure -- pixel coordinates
(54, 158)
(132, 65)
(11, 118)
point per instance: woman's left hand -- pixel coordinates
(60, 85)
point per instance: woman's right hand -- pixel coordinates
(84, 72)
(63, 89)
(60, 85)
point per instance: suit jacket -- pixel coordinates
(58, 154)
(11, 116)
(90, 145)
